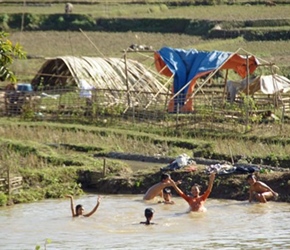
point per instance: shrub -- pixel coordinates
(4, 18)
(3, 199)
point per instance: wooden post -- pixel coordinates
(59, 105)
(8, 181)
(225, 87)
(247, 96)
(127, 80)
(9, 185)
(177, 115)
(104, 167)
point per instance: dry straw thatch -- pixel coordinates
(115, 74)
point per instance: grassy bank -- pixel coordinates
(52, 157)
(139, 139)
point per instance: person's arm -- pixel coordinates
(265, 186)
(209, 187)
(179, 191)
(250, 195)
(168, 184)
(174, 185)
(94, 209)
(211, 180)
(71, 205)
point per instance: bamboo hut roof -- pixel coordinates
(99, 72)
(121, 81)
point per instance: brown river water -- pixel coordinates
(226, 224)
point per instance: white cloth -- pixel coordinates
(85, 89)
(182, 160)
(272, 84)
(269, 84)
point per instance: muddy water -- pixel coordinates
(227, 224)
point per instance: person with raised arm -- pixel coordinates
(157, 189)
(79, 209)
(196, 201)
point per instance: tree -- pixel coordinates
(8, 52)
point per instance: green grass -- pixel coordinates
(218, 12)
(261, 141)
(33, 149)
(105, 44)
(109, 44)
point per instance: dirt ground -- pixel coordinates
(231, 186)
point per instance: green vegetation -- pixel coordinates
(8, 52)
(110, 27)
(52, 157)
(113, 44)
(49, 169)
(156, 10)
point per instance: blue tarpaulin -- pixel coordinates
(188, 65)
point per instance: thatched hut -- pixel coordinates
(120, 79)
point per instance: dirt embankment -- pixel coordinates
(226, 186)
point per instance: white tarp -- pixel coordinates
(269, 84)
(272, 84)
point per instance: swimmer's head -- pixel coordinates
(79, 209)
(167, 194)
(166, 191)
(195, 190)
(149, 213)
(164, 177)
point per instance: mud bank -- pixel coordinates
(229, 186)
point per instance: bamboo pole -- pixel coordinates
(247, 106)
(168, 90)
(104, 167)
(225, 86)
(9, 184)
(127, 80)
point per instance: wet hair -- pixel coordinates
(78, 207)
(164, 176)
(196, 185)
(166, 191)
(149, 212)
(250, 176)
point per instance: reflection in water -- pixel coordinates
(226, 225)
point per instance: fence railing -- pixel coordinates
(107, 105)
(8, 185)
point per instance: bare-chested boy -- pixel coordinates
(259, 190)
(196, 201)
(157, 189)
